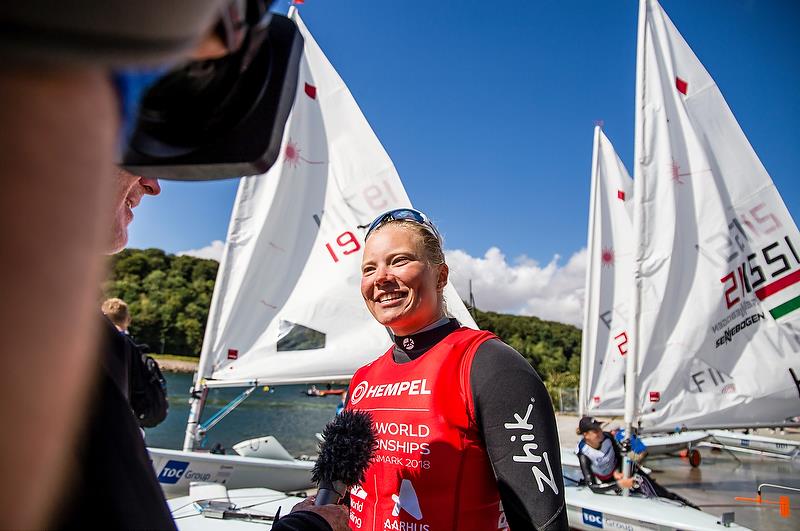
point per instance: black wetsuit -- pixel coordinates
(590, 478)
(502, 380)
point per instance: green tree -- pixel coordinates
(168, 296)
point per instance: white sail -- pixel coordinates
(287, 305)
(608, 281)
(717, 331)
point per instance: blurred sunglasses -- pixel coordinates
(404, 214)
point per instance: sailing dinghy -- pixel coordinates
(608, 291)
(715, 323)
(716, 262)
(287, 304)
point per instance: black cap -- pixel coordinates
(588, 424)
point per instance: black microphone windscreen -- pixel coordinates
(349, 445)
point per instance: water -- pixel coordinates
(284, 412)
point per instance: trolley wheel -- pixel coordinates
(695, 458)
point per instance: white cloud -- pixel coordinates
(212, 251)
(553, 292)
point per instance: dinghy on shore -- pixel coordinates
(699, 330)
(752, 443)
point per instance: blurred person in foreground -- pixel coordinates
(59, 123)
(466, 428)
(61, 117)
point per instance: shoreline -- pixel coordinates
(167, 364)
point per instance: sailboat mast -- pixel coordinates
(583, 386)
(639, 184)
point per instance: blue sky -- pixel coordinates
(487, 111)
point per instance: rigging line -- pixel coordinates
(219, 415)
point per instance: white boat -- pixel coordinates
(671, 443)
(752, 443)
(176, 470)
(215, 508)
(713, 325)
(287, 305)
(590, 511)
(607, 304)
(702, 315)
(710, 330)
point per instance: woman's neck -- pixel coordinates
(438, 321)
(412, 346)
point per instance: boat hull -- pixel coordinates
(590, 511)
(773, 445)
(176, 470)
(585, 510)
(673, 442)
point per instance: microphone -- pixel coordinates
(349, 445)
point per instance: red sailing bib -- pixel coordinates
(432, 472)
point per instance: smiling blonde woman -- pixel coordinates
(467, 433)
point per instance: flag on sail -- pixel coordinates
(717, 327)
(608, 280)
(287, 305)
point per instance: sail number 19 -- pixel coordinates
(347, 242)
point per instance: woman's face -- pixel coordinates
(398, 284)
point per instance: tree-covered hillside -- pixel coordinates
(169, 297)
(554, 349)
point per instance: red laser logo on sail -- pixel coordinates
(293, 156)
(607, 257)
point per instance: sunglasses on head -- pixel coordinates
(404, 214)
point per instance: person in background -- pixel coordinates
(118, 313)
(601, 459)
(600, 456)
(467, 433)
